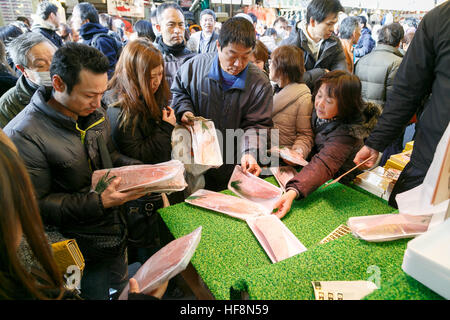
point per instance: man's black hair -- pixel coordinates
(143, 28)
(237, 30)
(88, 12)
(363, 21)
(167, 5)
(73, 57)
(45, 8)
(319, 10)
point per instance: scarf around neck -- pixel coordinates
(175, 50)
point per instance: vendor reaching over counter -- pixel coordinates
(340, 121)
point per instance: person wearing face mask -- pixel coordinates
(315, 36)
(32, 54)
(340, 121)
(172, 43)
(204, 41)
(47, 22)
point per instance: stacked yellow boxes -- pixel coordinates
(400, 160)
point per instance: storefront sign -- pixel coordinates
(128, 8)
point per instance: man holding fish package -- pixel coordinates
(233, 93)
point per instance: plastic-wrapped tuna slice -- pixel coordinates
(163, 177)
(166, 263)
(249, 186)
(387, 227)
(283, 175)
(205, 144)
(289, 155)
(230, 205)
(275, 238)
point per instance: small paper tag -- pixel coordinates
(342, 290)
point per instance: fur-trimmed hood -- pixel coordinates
(369, 119)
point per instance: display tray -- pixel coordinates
(427, 259)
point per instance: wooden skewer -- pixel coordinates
(339, 178)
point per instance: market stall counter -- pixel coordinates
(233, 265)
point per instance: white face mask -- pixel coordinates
(41, 78)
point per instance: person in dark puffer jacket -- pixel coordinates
(340, 121)
(63, 136)
(86, 21)
(47, 22)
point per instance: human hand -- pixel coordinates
(157, 293)
(185, 119)
(284, 204)
(249, 164)
(113, 198)
(365, 153)
(168, 115)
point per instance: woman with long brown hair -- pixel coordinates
(142, 126)
(137, 97)
(20, 216)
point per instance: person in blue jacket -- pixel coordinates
(86, 21)
(366, 43)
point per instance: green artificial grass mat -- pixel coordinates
(229, 258)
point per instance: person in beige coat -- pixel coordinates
(292, 104)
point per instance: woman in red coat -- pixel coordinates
(340, 121)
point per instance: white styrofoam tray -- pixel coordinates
(427, 259)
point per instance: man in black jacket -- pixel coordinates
(60, 135)
(235, 94)
(172, 43)
(322, 49)
(424, 75)
(48, 22)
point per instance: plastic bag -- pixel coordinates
(387, 227)
(289, 155)
(230, 205)
(283, 175)
(163, 177)
(250, 187)
(166, 263)
(275, 238)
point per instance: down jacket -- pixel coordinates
(336, 144)
(377, 72)
(60, 160)
(292, 107)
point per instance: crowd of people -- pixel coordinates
(84, 96)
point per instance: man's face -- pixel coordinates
(86, 95)
(207, 23)
(281, 28)
(171, 26)
(39, 59)
(356, 35)
(76, 19)
(325, 29)
(54, 19)
(234, 57)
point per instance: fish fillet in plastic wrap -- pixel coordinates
(249, 186)
(275, 238)
(164, 177)
(283, 175)
(223, 203)
(289, 155)
(166, 263)
(386, 227)
(205, 144)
